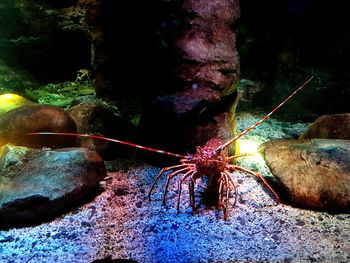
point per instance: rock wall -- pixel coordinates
(201, 102)
(35, 37)
(177, 60)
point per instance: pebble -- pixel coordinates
(4, 239)
(120, 191)
(340, 217)
(85, 224)
(300, 223)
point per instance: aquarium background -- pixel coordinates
(108, 62)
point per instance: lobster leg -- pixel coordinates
(230, 180)
(191, 190)
(170, 176)
(227, 187)
(160, 173)
(258, 175)
(221, 194)
(226, 184)
(234, 187)
(183, 178)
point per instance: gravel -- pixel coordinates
(122, 224)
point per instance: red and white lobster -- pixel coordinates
(211, 160)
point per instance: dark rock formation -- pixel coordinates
(87, 16)
(116, 47)
(36, 39)
(192, 41)
(14, 80)
(208, 59)
(100, 119)
(38, 184)
(200, 105)
(335, 126)
(16, 123)
(315, 173)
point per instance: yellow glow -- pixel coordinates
(11, 101)
(8, 96)
(249, 148)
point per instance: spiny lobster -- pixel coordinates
(212, 160)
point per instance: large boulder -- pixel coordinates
(336, 126)
(16, 123)
(314, 173)
(38, 184)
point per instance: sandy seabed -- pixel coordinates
(121, 223)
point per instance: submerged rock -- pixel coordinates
(16, 123)
(315, 173)
(336, 126)
(36, 184)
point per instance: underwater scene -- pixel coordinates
(174, 131)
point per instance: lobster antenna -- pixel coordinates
(107, 139)
(263, 119)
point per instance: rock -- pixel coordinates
(225, 10)
(206, 63)
(315, 173)
(336, 126)
(200, 104)
(38, 184)
(16, 123)
(207, 46)
(12, 101)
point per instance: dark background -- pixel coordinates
(281, 43)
